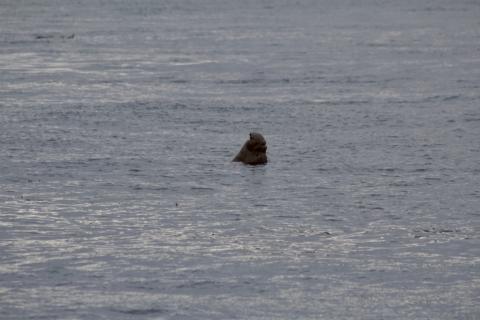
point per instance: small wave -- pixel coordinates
(139, 187)
(472, 118)
(387, 169)
(401, 183)
(430, 231)
(442, 98)
(179, 81)
(284, 216)
(198, 188)
(254, 81)
(53, 36)
(196, 284)
(189, 62)
(333, 220)
(454, 97)
(340, 102)
(141, 312)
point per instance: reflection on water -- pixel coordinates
(118, 197)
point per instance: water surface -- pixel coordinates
(119, 120)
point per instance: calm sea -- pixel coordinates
(119, 121)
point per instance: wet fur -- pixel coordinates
(254, 150)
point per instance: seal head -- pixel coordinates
(254, 151)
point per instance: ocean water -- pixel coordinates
(119, 121)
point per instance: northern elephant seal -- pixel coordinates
(254, 151)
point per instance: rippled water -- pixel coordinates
(119, 120)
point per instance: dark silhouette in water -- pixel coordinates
(254, 151)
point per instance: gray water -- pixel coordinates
(119, 120)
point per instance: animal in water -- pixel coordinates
(254, 150)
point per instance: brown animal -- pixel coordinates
(254, 151)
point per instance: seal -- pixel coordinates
(254, 151)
